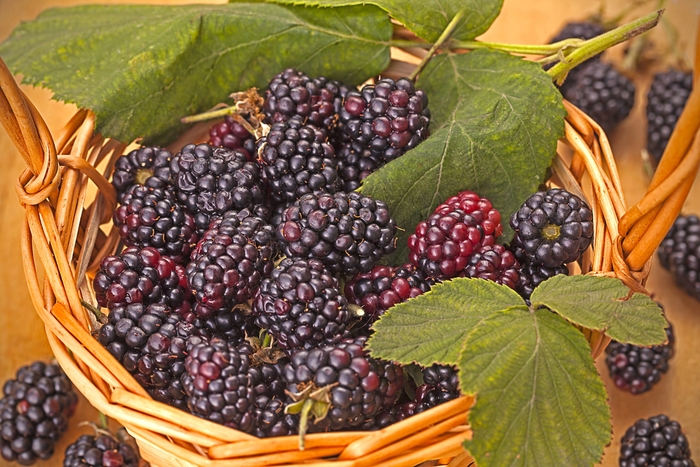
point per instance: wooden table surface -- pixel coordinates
(22, 338)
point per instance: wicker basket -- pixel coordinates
(62, 232)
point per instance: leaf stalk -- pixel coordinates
(441, 40)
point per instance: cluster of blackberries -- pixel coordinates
(596, 87)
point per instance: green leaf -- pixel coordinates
(539, 398)
(140, 68)
(601, 303)
(431, 327)
(496, 120)
(427, 18)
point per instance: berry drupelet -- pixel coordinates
(34, 412)
(301, 305)
(231, 260)
(102, 451)
(151, 217)
(552, 228)
(349, 232)
(656, 441)
(387, 118)
(679, 252)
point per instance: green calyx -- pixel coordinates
(309, 401)
(551, 232)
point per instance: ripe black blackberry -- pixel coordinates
(210, 181)
(148, 166)
(232, 135)
(102, 450)
(494, 263)
(387, 118)
(636, 369)
(34, 412)
(532, 275)
(356, 386)
(151, 343)
(577, 30)
(296, 159)
(349, 232)
(151, 217)
(301, 305)
(606, 95)
(553, 227)
(679, 252)
(440, 384)
(355, 166)
(665, 101)
(383, 287)
(140, 275)
(219, 386)
(292, 93)
(656, 441)
(231, 260)
(442, 245)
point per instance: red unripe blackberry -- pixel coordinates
(219, 386)
(494, 263)
(656, 441)
(666, 100)
(301, 305)
(292, 93)
(358, 386)
(151, 217)
(231, 260)
(679, 252)
(232, 135)
(34, 412)
(553, 227)
(210, 181)
(383, 287)
(149, 166)
(442, 245)
(140, 275)
(101, 451)
(636, 369)
(387, 118)
(349, 232)
(295, 159)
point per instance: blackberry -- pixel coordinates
(440, 384)
(383, 287)
(100, 450)
(151, 343)
(355, 166)
(349, 232)
(149, 166)
(219, 386)
(34, 412)
(553, 227)
(232, 135)
(442, 245)
(603, 93)
(301, 305)
(231, 260)
(271, 419)
(637, 369)
(577, 30)
(233, 325)
(387, 118)
(355, 386)
(665, 101)
(656, 441)
(292, 93)
(151, 217)
(532, 275)
(296, 159)
(140, 275)
(494, 263)
(211, 181)
(679, 252)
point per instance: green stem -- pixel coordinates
(441, 40)
(598, 44)
(304, 422)
(545, 49)
(210, 115)
(104, 422)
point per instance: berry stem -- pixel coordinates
(210, 115)
(304, 422)
(441, 40)
(598, 44)
(544, 49)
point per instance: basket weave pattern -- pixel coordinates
(62, 232)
